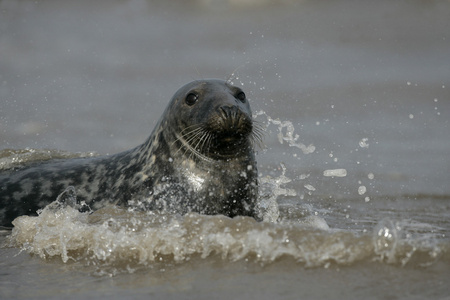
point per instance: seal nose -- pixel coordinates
(230, 120)
(229, 112)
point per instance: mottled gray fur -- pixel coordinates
(199, 158)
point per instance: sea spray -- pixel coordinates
(286, 133)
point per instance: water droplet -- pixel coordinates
(335, 173)
(362, 190)
(363, 143)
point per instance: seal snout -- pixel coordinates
(229, 112)
(232, 120)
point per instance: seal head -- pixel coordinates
(207, 135)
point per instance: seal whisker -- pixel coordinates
(185, 134)
(187, 143)
(199, 137)
(186, 137)
(233, 74)
(204, 138)
(209, 143)
(197, 126)
(201, 141)
(196, 150)
(258, 133)
(194, 137)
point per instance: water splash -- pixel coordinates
(270, 189)
(385, 240)
(286, 133)
(115, 240)
(118, 238)
(405, 241)
(67, 198)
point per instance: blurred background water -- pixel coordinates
(363, 83)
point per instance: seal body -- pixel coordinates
(199, 158)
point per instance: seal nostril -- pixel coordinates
(225, 111)
(229, 111)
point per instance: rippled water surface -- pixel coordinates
(354, 98)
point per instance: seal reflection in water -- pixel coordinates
(199, 158)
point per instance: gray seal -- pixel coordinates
(199, 158)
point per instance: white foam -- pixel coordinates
(117, 240)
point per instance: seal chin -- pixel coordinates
(229, 150)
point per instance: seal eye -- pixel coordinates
(191, 99)
(241, 96)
